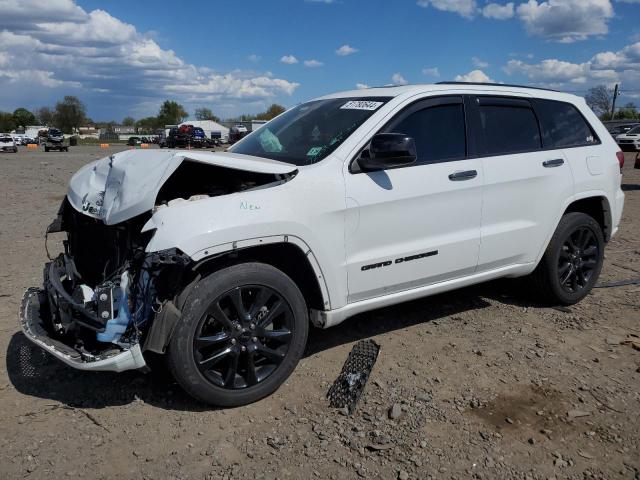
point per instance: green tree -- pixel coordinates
(628, 112)
(7, 122)
(23, 117)
(148, 125)
(272, 112)
(599, 99)
(205, 114)
(45, 116)
(171, 113)
(128, 121)
(70, 114)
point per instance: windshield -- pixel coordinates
(309, 132)
(55, 132)
(634, 130)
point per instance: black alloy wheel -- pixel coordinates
(241, 333)
(243, 336)
(578, 259)
(572, 261)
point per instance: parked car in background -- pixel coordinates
(55, 141)
(133, 141)
(237, 133)
(618, 129)
(343, 204)
(184, 136)
(629, 141)
(18, 140)
(8, 144)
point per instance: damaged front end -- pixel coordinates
(101, 294)
(106, 298)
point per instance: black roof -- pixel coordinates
(495, 85)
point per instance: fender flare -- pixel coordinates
(230, 247)
(574, 198)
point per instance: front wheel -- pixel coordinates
(572, 262)
(242, 332)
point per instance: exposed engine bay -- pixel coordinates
(103, 294)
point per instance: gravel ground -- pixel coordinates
(481, 382)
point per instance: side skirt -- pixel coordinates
(330, 318)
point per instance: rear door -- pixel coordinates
(525, 185)
(416, 225)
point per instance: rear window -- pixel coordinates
(509, 129)
(563, 125)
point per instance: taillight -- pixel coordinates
(620, 156)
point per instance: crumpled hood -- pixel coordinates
(126, 184)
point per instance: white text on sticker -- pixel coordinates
(361, 105)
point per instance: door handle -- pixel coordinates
(460, 176)
(553, 163)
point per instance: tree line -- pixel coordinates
(70, 113)
(600, 99)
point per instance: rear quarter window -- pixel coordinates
(563, 125)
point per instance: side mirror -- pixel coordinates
(389, 150)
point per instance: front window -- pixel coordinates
(309, 132)
(634, 131)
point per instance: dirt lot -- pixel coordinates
(486, 383)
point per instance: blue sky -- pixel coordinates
(125, 58)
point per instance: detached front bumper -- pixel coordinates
(34, 312)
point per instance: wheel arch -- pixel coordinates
(598, 208)
(593, 203)
(288, 254)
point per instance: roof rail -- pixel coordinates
(495, 85)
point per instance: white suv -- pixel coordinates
(347, 203)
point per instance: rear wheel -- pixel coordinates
(46, 149)
(242, 332)
(572, 262)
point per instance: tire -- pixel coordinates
(46, 149)
(213, 347)
(575, 252)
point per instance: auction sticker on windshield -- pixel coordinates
(361, 105)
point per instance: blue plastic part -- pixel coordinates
(117, 325)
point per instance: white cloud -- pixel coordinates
(550, 71)
(289, 59)
(497, 11)
(622, 66)
(478, 63)
(58, 45)
(214, 86)
(362, 86)
(345, 50)
(627, 58)
(313, 63)
(566, 21)
(398, 79)
(431, 72)
(254, 58)
(475, 76)
(466, 8)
